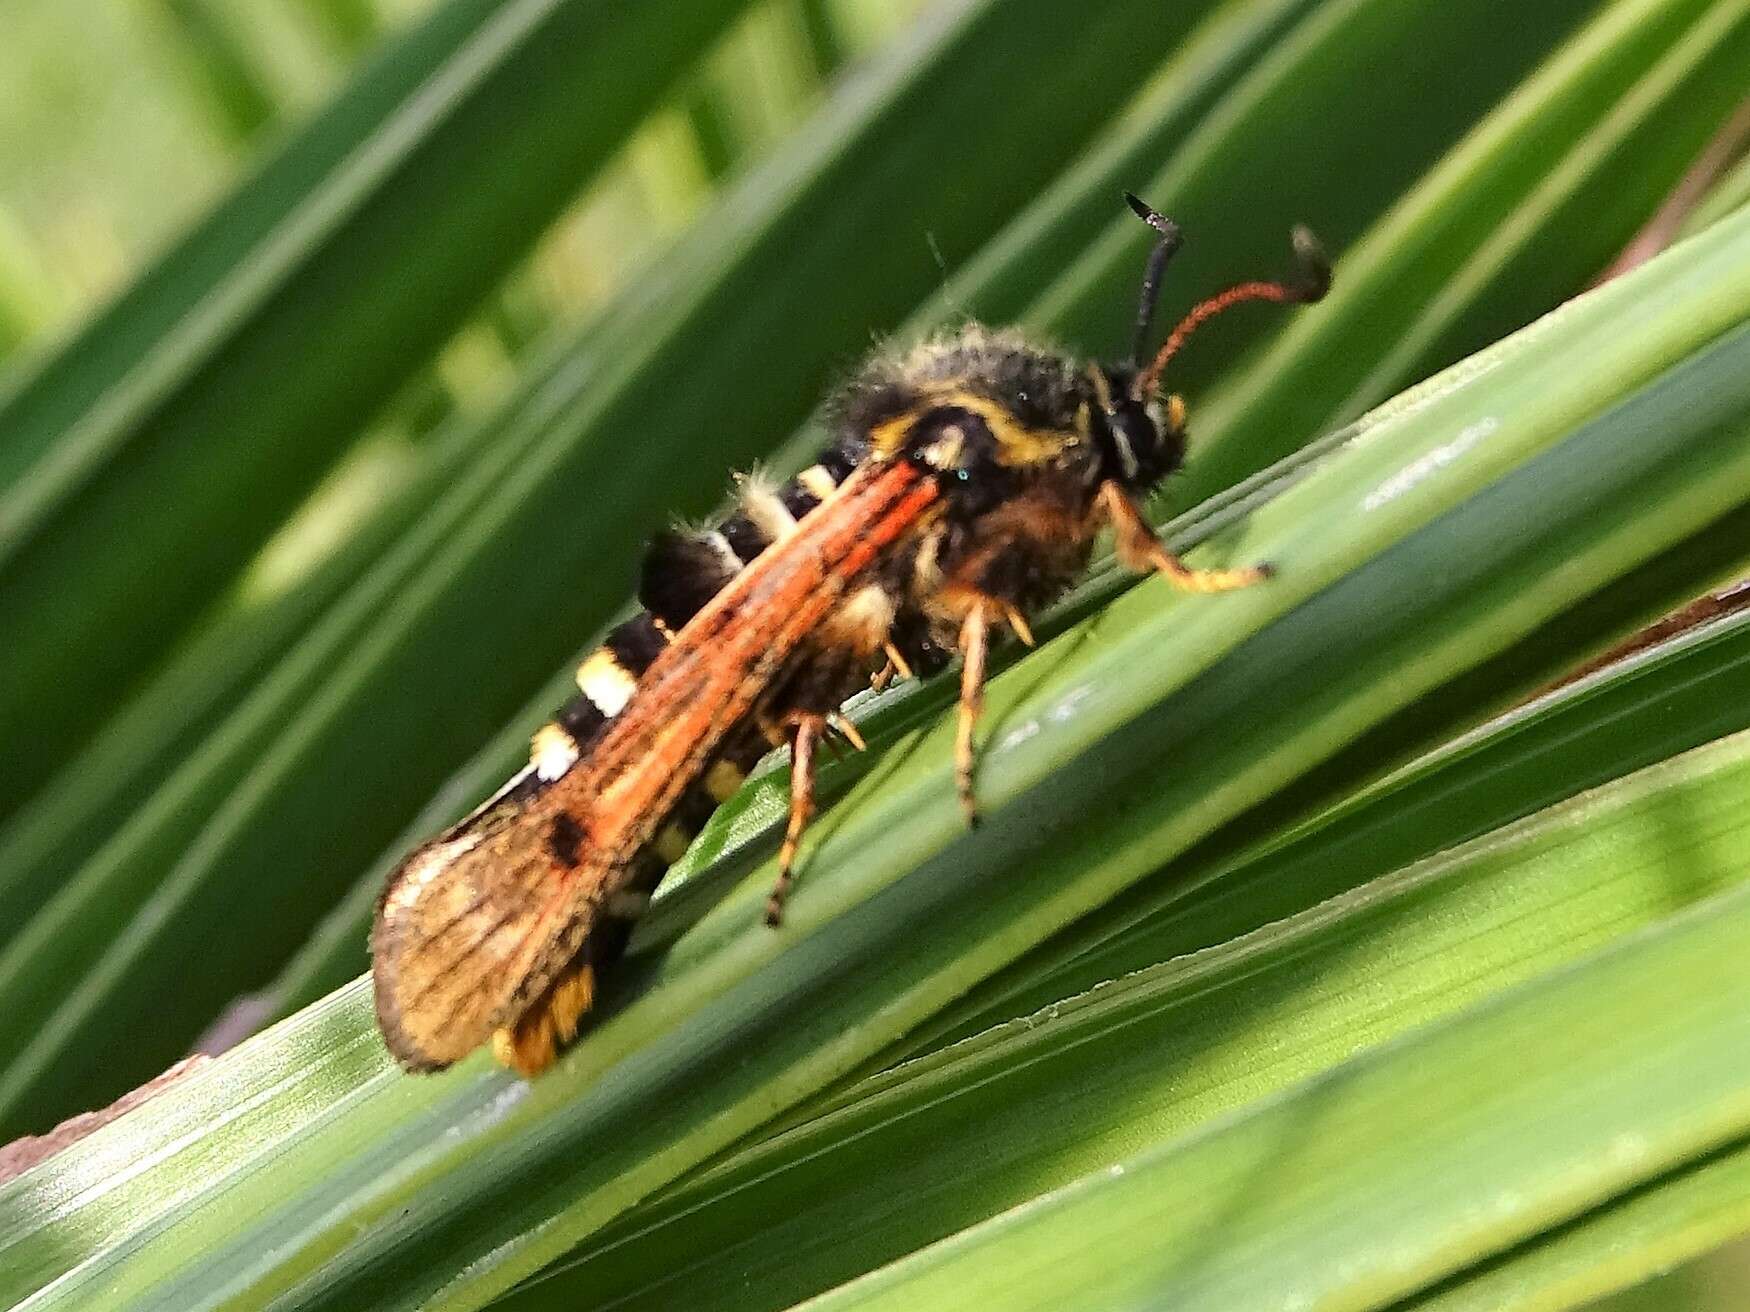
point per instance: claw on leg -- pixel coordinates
(1018, 624)
(897, 667)
(848, 731)
(805, 738)
(1139, 548)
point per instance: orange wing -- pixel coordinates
(474, 926)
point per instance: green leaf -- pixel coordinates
(229, 377)
(1243, 142)
(193, 695)
(1532, 202)
(1418, 1154)
(1021, 257)
(382, 1190)
(919, 1153)
(461, 613)
(1685, 693)
(1680, 1215)
(1166, 773)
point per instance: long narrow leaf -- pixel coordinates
(461, 615)
(907, 1158)
(444, 1191)
(1621, 1067)
(1685, 694)
(228, 378)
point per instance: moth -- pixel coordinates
(964, 489)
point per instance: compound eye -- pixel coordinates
(1134, 439)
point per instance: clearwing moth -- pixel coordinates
(965, 486)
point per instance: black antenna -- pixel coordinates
(1171, 239)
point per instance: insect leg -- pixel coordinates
(974, 646)
(804, 739)
(1139, 548)
(848, 731)
(896, 667)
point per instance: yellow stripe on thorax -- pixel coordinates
(1017, 443)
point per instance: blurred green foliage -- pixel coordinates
(353, 347)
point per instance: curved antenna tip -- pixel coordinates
(1315, 265)
(1155, 219)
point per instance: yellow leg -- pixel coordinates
(804, 739)
(848, 731)
(1018, 625)
(1139, 548)
(974, 647)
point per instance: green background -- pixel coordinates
(353, 348)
